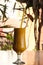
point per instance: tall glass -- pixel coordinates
(19, 44)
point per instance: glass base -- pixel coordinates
(19, 62)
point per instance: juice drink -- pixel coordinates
(19, 44)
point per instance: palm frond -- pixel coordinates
(14, 6)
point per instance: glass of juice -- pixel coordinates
(19, 44)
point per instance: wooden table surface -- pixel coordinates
(32, 57)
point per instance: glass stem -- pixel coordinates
(19, 58)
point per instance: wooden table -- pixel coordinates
(33, 57)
